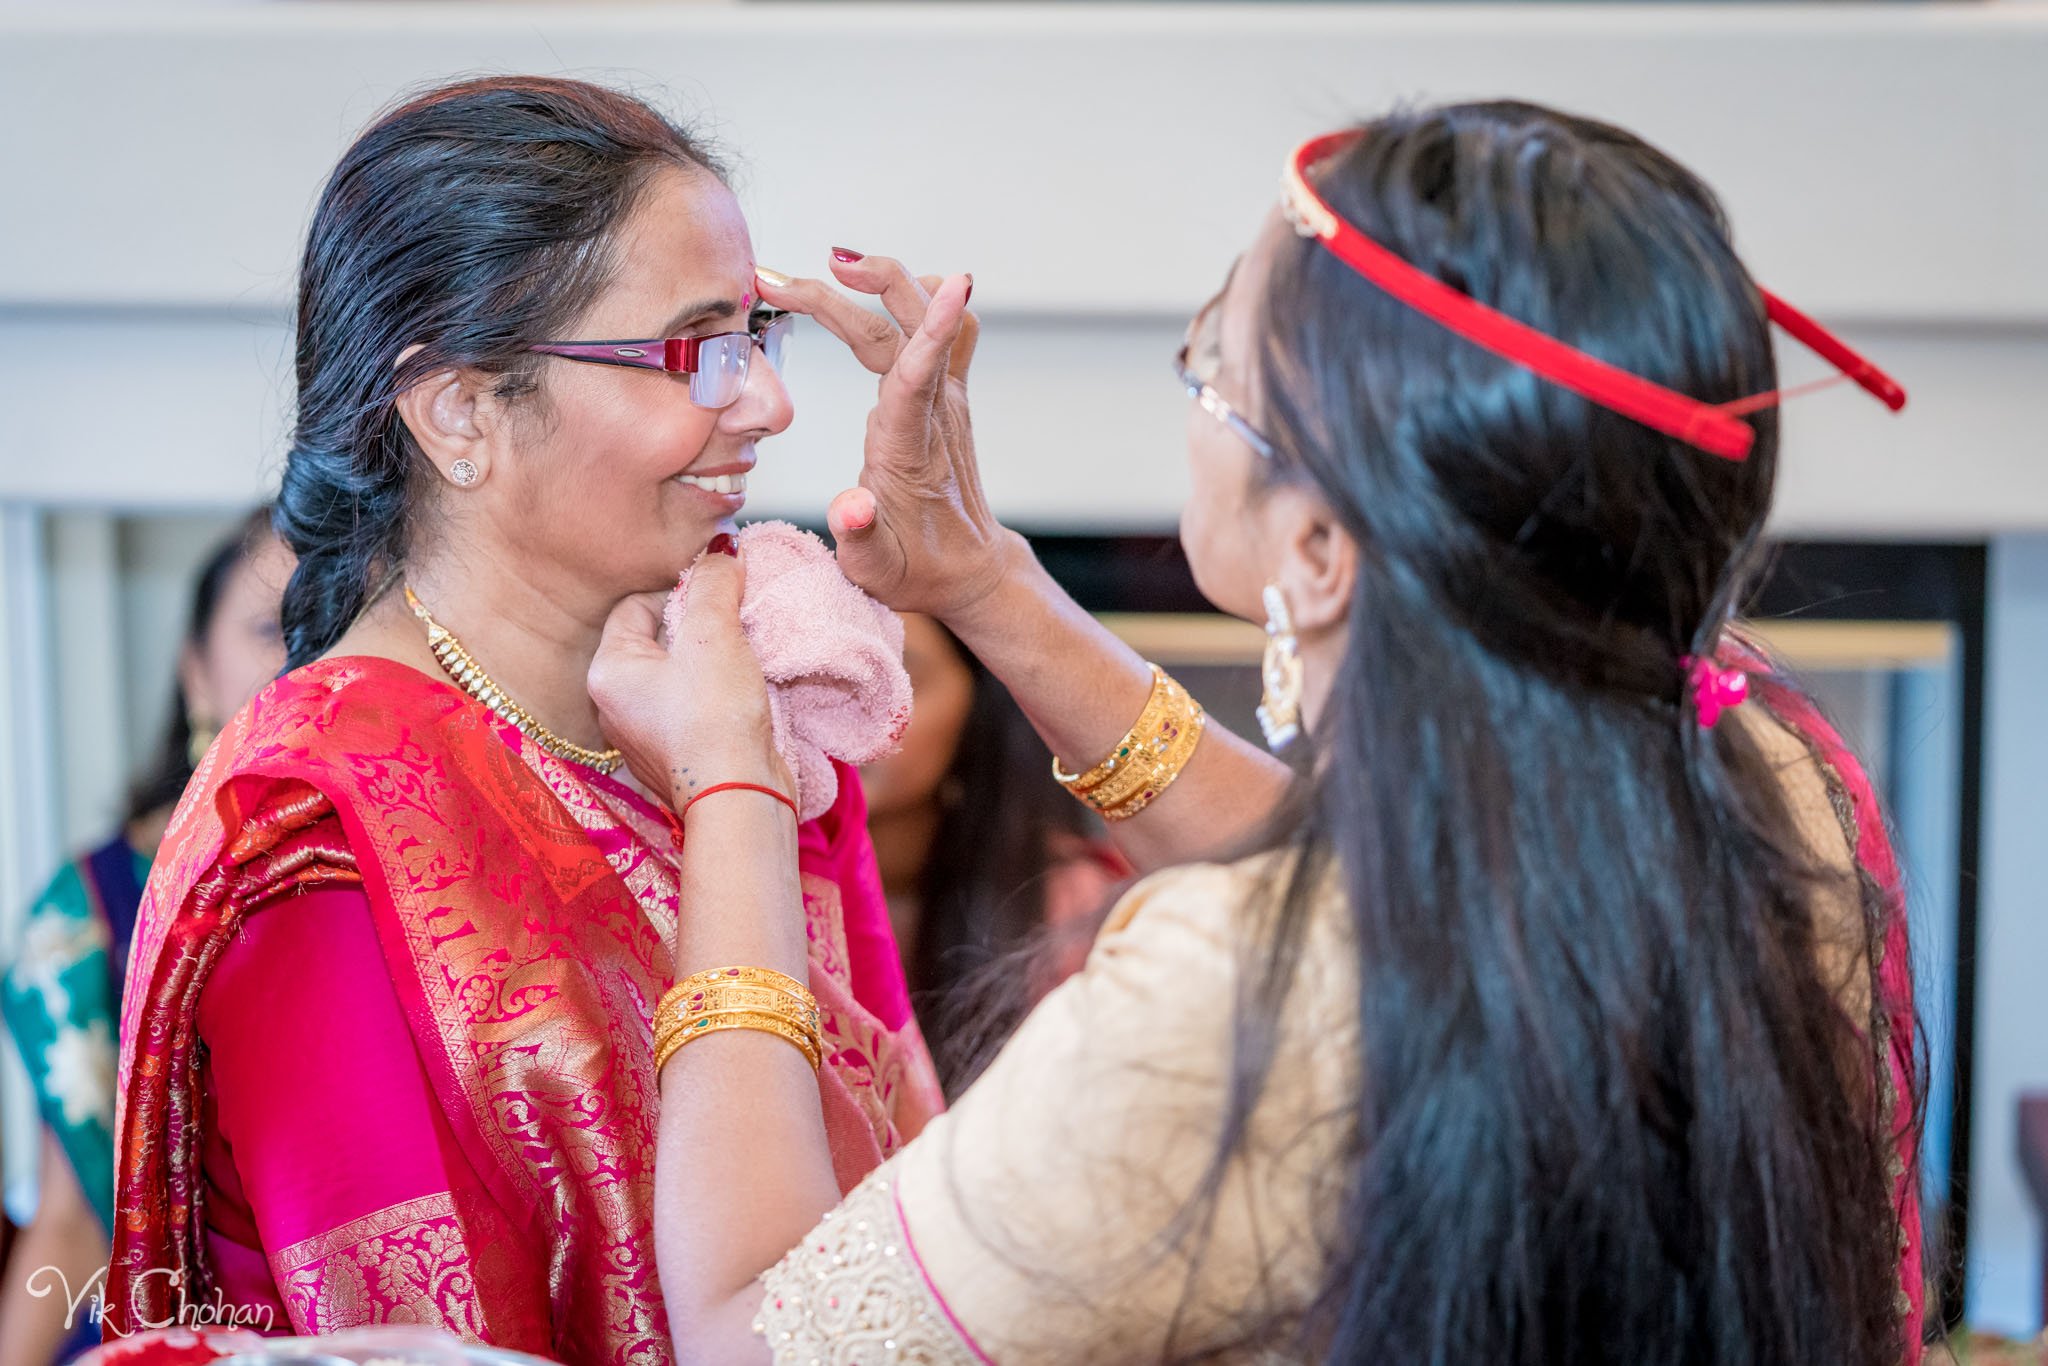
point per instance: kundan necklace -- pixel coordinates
(469, 675)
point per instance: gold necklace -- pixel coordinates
(462, 668)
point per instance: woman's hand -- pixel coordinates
(917, 532)
(694, 713)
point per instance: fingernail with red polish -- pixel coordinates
(723, 544)
(847, 255)
(968, 298)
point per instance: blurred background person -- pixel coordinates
(62, 994)
(981, 851)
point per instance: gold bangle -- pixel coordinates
(1155, 707)
(1181, 748)
(759, 1022)
(725, 999)
(814, 1042)
(773, 1001)
(697, 986)
(761, 977)
(735, 997)
(1149, 757)
(763, 1021)
(1152, 766)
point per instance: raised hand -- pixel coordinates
(694, 712)
(917, 531)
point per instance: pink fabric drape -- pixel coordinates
(1894, 979)
(389, 1055)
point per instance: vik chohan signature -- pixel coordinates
(90, 1297)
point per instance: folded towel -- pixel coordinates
(833, 657)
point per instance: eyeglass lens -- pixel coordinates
(721, 374)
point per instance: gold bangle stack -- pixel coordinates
(1149, 757)
(760, 999)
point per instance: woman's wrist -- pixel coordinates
(1017, 580)
(727, 780)
(741, 887)
(772, 793)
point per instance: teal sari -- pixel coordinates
(62, 1002)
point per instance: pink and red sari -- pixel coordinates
(1897, 1067)
(387, 1048)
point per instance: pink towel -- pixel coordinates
(833, 656)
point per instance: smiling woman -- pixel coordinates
(390, 1052)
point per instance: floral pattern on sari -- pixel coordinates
(525, 910)
(58, 1000)
(882, 1071)
(415, 1262)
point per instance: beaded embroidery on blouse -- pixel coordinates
(852, 1293)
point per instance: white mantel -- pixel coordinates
(1096, 166)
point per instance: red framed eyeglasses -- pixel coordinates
(1717, 428)
(717, 364)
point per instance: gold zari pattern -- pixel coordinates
(1146, 761)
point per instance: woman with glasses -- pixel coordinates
(388, 1049)
(1554, 1007)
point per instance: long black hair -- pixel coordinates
(471, 221)
(163, 782)
(1610, 1108)
(981, 892)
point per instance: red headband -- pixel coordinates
(1716, 428)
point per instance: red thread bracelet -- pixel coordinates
(738, 787)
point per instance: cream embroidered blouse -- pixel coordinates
(1034, 1222)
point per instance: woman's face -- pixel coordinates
(1221, 528)
(942, 689)
(244, 645)
(595, 492)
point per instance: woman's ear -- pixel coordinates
(1317, 568)
(441, 411)
(192, 682)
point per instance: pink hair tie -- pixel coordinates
(1715, 688)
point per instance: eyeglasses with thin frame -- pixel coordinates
(716, 364)
(1213, 403)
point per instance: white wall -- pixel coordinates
(84, 576)
(1096, 166)
(1085, 158)
(28, 798)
